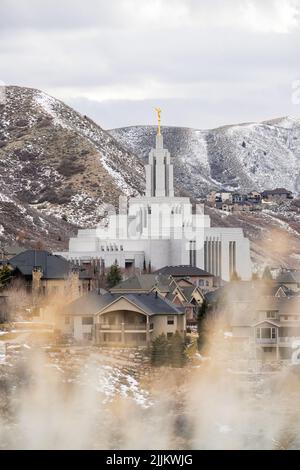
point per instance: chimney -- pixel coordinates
(37, 274)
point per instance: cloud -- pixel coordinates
(172, 50)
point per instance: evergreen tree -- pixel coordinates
(177, 357)
(202, 313)
(114, 275)
(267, 276)
(144, 267)
(149, 268)
(160, 351)
(5, 276)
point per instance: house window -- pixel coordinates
(169, 335)
(266, 333)
(87, 320)
(273, 333)
(272, 314)
(67, 321)
(171, 320)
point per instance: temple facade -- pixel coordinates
(159, 229)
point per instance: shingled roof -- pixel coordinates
(289, 277)
(183, 271)
(142, 283)
(152, 304)
(52, 266)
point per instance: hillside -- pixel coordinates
(57, 167)
(241, 157)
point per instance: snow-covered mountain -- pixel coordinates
(57, 167)
(239, 157)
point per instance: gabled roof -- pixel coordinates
(188, 292)
(52, 266)
(276, 191)
(183, 271)
(142, 282)
(271, 322)
(151, 304)
(286, 278)
(289, 277)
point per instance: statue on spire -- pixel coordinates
(158, 110)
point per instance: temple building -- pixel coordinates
(159, 229)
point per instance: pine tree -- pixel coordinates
(177, 357)
(160, 351)
(144, 267)
(5, 276)
(114, 275)
(202, 313)
(267, 276)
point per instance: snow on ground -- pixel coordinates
(49, 104)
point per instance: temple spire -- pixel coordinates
(158, 110)
(159, 171)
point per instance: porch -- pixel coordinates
(123, 327)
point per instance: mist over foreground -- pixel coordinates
(87, 398)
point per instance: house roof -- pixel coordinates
(143, 282)
(188, 292)
(244, 291)
(183, 271)
(52, 266)
(276, 191)
(93, 303)
(288, 277)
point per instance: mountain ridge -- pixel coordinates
(58, 168)
(238, 157)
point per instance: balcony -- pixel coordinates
(128, 327)
(266, 341)
(288, 341)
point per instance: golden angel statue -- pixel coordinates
(158, 110)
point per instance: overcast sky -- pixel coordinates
(205, 62)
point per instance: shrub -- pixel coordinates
(160, 351)
(114, 275)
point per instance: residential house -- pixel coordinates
(47, 276)
(197, 276)
(276, 195)
(180, 291)
(254, 197)
(263, 318)
(237, 198)
(121, 319)
(226, 206)
(289, 278)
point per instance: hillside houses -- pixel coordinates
(229, 201)
(263, 317)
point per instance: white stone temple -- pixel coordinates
(159, 229)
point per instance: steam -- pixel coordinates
(58, 400)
